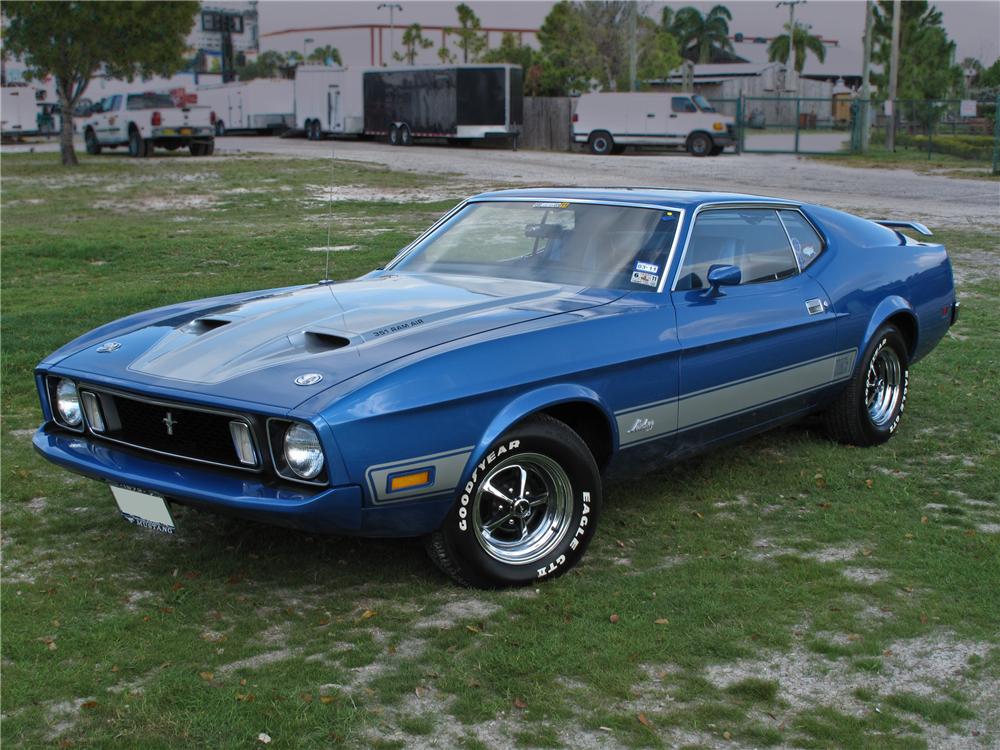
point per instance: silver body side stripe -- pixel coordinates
(447, 470)
(640, 424)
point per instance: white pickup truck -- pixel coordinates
(149, 120)
(607, 123)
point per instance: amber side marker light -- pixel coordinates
(410, 480)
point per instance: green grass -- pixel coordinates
(917, 159)
(112, 636)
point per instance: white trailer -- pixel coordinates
(329, 101)
(18, 111)
(260, 104)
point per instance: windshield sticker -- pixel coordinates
(550, 205)
(646, 267)
(649, 279)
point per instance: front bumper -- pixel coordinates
(334, 509)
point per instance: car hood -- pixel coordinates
(253, 350)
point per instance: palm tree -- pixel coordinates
(700, 34)
(803, 43)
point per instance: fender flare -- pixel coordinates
(886, 309)
(534, 401)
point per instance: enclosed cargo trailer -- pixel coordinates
(457, 102)
(263, 104)
(18, 111)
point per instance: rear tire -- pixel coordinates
(393, 135)
(317, 131)
(405, 137)
(138, 147)
(699, 144)
(601, 143)
(91, 143)
(528, 512)
(869, 409)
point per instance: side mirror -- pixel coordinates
(719, 276)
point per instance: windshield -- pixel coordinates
(703, 104)
(150, 101)
(577, 244)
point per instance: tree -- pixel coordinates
(926, 70)
(568, 53)
(658, 52)
(470, 40)
(328, 55)
(413, 40)
(445, 56)
(510, 52)
(802, 44)
(990, 77)
(268, 64)
(700, 35)
(73, 41)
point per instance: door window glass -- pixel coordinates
(682, 104)
(752, 239)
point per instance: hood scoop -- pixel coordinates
(204, 325)
(321, 341)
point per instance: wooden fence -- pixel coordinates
(547, 125)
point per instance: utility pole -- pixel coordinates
(890, 136)
(393, 7)
(791, 37)
(866, 90)
(632, 50)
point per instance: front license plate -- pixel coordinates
(185, 131)
(143, 509)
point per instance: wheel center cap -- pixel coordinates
(521, 508)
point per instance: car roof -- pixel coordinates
(651, 196)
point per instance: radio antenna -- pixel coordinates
(329, 219)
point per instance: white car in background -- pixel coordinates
(149, 120)
(607, 123)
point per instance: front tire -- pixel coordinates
(90, 140)
(869, 410)
(699, 144)
(138, 147)
(527, 513)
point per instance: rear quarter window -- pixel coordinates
(806, 243)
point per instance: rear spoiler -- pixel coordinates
(916, 226)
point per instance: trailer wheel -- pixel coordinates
(317, 131)
(405, 136)
(393, 135)
(220, 127)
(601, 143)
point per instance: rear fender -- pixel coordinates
(886, 309)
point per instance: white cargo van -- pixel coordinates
(328, 101)
(608, 123)
(260, 104)
(18, 111)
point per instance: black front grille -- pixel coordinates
(177, 430)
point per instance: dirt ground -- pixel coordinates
(935, 200)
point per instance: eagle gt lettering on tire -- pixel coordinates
(527, 511)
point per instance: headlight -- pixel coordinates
(303, 453)
(68, 403)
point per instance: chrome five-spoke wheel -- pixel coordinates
(521, 510)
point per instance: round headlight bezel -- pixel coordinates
(303, 452)
(68, 408)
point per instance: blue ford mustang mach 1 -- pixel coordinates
(473, 390)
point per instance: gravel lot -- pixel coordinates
(935, 200)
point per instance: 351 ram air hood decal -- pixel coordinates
(256, 348)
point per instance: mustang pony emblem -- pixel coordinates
(169, 421)
(108, 346)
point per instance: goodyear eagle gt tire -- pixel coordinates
(528, 511)
(869, 409)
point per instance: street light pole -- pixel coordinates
(897, 11)
(866, 90)
(393, 7)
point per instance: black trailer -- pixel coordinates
(456, 102)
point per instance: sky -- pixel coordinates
(974, 25)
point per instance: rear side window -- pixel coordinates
(682, 104)
(806, 243)
(752, 239)
(150, 101)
